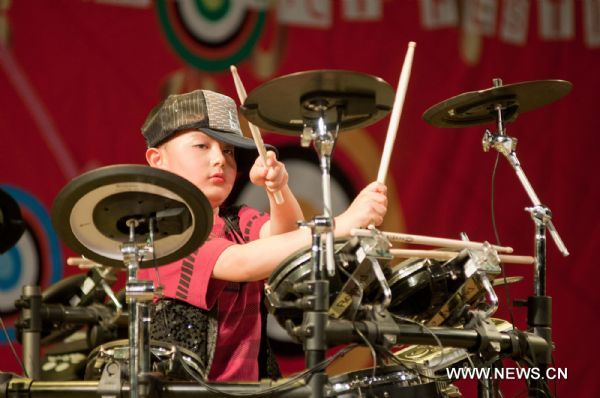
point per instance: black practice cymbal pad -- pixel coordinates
(353, 99)
(478, 107)
(90, 214)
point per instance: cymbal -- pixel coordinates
(478, 107)
(90, 214)
(12, 225)
(284, 104)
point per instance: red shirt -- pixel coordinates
(189, 280)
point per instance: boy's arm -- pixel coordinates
(284, 216)
(257, 259)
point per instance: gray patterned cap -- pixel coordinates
(212, 113)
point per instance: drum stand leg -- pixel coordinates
(317, 289)
(30, 304)
(315, 318)
(138, 294)
(539, 306)
(488, 388)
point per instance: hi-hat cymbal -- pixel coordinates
(286, 103)
(90, 214)
(479, 107)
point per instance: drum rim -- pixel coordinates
(298, 258)
(153, 343)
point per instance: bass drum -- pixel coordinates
(386, 381)
(165, 359)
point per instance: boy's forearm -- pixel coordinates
(284, 216)
(256, 260)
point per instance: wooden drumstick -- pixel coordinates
(431, 240)
(396, 112)
(441, 255)
(241, 91)
(82, 262)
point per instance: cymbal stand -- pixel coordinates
(317, 289)
(324, 141)
(138, 294)
(539, 306)
(30, 304)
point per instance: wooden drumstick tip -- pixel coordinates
(412, 44)
(232, 68)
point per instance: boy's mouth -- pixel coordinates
(217, 177)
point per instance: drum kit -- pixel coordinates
(422, 315)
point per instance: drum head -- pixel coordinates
(296, 269)
(386, 381)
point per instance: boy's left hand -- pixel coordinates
(273, 176)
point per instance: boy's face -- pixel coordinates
(207, 163)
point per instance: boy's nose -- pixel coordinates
(218, 157)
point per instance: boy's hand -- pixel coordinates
(273, 176)
(369, 207)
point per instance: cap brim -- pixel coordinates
(237, 141)
(244, 158)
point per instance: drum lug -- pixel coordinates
(110, 382)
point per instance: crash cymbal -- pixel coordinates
(478, 107)
(353, 99)
(90, 214)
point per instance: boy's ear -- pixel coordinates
(154, 157)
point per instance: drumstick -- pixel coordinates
(396, 111)
(82, 262)
(440, 255)
(241, 91)
(430, 240)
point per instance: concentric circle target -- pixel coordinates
(36, 259)
(211, 34)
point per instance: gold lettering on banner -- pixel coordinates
(477, 19)
(312, 13)
(362, 10)
(437, 14)
(556, 19)
(515, 21)
(591, 22)
(267, 56)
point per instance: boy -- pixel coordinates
(213, 296)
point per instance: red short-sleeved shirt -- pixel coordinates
(239, 329)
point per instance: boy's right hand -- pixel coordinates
(273, 176)
(368, 208)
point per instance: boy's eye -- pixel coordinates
(229, 151)
(201, 146)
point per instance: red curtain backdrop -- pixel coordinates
(77, 79)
